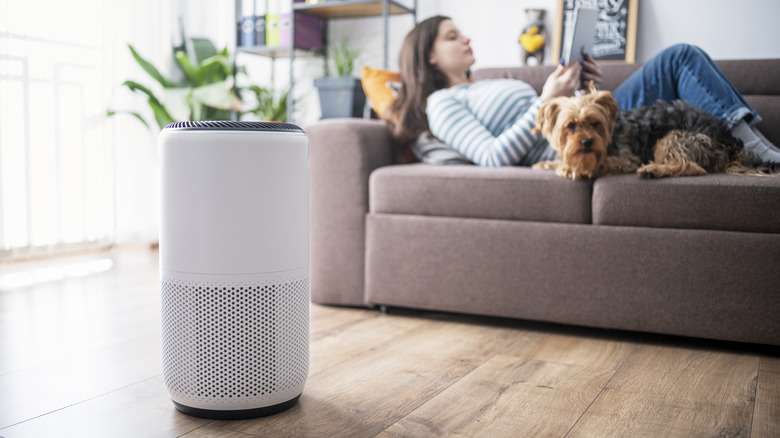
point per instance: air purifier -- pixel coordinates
(234, 266)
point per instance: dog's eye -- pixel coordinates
(595, 124)
(571, 126)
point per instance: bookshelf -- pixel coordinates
(354, 8)
(326, 10)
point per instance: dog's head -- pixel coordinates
(579, 128)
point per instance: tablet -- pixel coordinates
(579, 38)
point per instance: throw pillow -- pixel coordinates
(380, 86)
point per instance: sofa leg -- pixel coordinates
(384, 309)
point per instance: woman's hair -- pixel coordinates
(407, 119)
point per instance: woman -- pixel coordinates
(490, 122)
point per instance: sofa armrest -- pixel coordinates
(342, 155)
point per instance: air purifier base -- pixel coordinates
(240, 414)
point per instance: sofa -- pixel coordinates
(692, 256)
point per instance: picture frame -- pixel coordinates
(615, 29)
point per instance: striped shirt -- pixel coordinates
(490, 122)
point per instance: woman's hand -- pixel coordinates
(591, 71)
(562, 82)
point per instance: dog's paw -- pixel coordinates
(547, 165)
(646, 175)
(663, 170)
(648, 171)
(569, 173)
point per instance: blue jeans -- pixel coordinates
(686, 72)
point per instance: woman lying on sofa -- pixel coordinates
(490, 122)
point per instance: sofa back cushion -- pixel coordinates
(756, 79)
(536, 76)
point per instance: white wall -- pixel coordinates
(727, 29)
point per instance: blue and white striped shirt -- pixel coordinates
(490, 122)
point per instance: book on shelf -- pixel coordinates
(245, 25)
(260, 7)
(268, 24)
(272, 23)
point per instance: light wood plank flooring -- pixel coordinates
(81, 358)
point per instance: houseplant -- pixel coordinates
(203, 88)
(341, 94)
(269, 107)
(203, 91)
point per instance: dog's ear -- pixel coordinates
(607, 101)
(546, 117)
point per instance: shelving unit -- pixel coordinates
(328, 10)
(360, 8)
(277, 52)
(353, 8)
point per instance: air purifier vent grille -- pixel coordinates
(228, 125)
(233, 343)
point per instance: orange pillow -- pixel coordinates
(377, 86)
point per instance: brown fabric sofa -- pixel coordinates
(696, 256)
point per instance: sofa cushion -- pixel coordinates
(515, 193)
(714, 202)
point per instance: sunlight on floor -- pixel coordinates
(17, 280)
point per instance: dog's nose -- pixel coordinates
(587, 143)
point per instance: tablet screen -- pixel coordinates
(580, 37)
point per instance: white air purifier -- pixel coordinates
(234, 267)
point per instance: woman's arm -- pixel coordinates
(453, 123)
(457, 125)
(562, 81)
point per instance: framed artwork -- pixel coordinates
(615, 29)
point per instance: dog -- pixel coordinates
(593, 138)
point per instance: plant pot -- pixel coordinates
(341, 97)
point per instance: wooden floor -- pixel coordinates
(81, 358)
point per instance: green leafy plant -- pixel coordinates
(269, 107)
(204, 91)
(342, 57)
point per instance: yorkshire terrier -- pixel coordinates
(593, 138)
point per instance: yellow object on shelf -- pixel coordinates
(531, 40)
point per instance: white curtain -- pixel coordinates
(70, 176)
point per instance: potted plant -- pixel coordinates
(204, 89)
(341, 94)
(269, 107)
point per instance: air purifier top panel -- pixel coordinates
(234, 198)
(229, 125)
